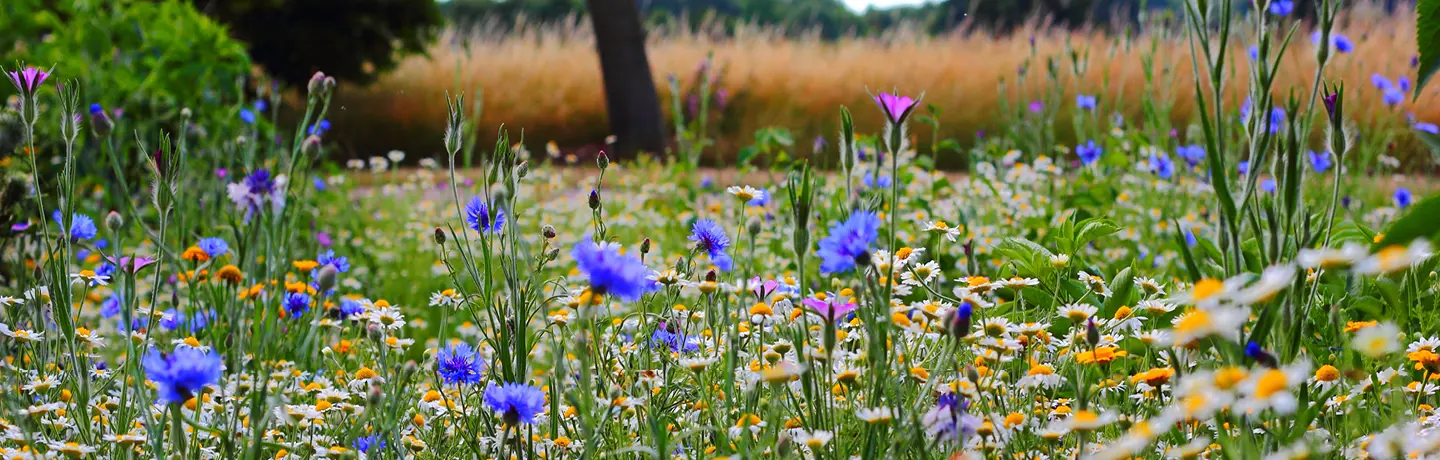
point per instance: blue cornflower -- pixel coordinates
(1089, 152)
(871, 182)
(365, 443)
(1403, 83)
(1277, 119)
(1085, 102)
(1190, 240)
(676, 342)
(1380, 81)
(1320, 161)
(710, 238)
(479, 217)
(82, 227)
(458, 363)
(1392, 96)
(247, 116)
(111, 306)
(760, 200)
(350, 307)
(1340, 42)
(1162, 165)
(175, 319)
(848, 241)
(105, 269)
(1427, 127)
(515, 402)
(96, 109)
(180, 375)
(1191, 153)
(1268, 185)
(319, 184)
(610, 272)
(260, 105)
(341, 263)
(1403, 198)
(1282, 7)
(214, 247)
(1253, 52)
(320, 128)
(1244, 167)
(297, 303)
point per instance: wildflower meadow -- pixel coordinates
(1256, 280)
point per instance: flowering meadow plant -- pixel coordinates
(1227, 293)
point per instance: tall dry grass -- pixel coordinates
(546, 80)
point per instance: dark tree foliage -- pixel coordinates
(352, 40)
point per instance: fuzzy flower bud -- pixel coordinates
(113, 221)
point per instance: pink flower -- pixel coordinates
(132, 265)
(834, 308)
(28, 81)
(897, 108)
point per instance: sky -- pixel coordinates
(860, 5)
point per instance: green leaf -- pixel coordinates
(1432, 141)
(1427, 36)
(1120, 287)
(1421, 221)
(1093, 229)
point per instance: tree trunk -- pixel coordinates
(630, 99)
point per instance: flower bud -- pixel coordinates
(522, 170)
(316, 84)
(329, 85)
(311, 145)
(594, 200)
(645, 246)
(548, 231)
(439, 236)
(185, 114)
(100, 123)
(753, 226)
(957, 322)
(602, 160)
(1092, 333)
(113, 221)
(326, 277)
(972, 373)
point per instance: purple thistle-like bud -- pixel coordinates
(1330, 100)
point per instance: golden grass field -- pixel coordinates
(546, 79)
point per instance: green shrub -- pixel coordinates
(353, 40)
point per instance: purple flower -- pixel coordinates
(896, 107)
(1403, 198)
(515, 402)
(1089, 152)
(833, 308)
(1380, 81)
(179, 375)
(849, 242)
(1085, 102)
(479, 217)
(610, 272)
(296, 304)
(1282, 7)
(28, 81)
(1392, 96)
(1427, 127)
(1340, 42)
(1162, 166)
(133, 265)
(1320, 161)
(710, 238)
(1191, 153)
(458, 363)
(1037, 106)
(252, 192)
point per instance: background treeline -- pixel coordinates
(831, 19)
